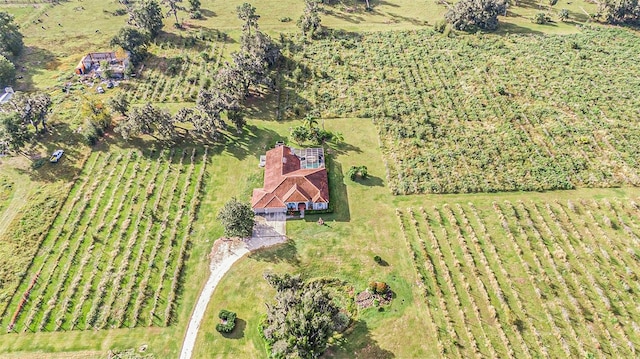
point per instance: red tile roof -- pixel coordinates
(284, 181)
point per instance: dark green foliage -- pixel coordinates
(147, 120)
(357, 171)
(132, 40)
(377, 259)
(440, 26)
(11, 43)
(620, 11)
(194, 5)
(90, 133)
(309, 21)
(237, 218)
(563, 15)
(147, 15)
(13, 131)
(469, 15)
(119, 103)
(304, 319)
(541, 18)
(7, 71)
(33, 108)
(247, 13)
(229, 321)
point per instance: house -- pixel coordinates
(295, 180)
(118, 63)
(6, 96)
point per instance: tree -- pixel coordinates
(32, 109)
(299, 134)
(247, 13)
(194, 5)
(11, 43)
(309, 21)
(174, 6)
(7, 71)
(564, 15)
(468, 15)
(119, 103)
(552, 2)
(96, 112)
(304, 319)
(13, 131)
(147, 16)
(618, 12)
(310, 120)
(540, 18)
(147, 120)
(237, 219)
(132, 40)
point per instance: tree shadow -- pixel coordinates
(510, 28)
(371, 181)
(287, 253)
(33, 61)
(58, 136)
(207, 13)
(338, 197)
(359, 344)
(238, 330)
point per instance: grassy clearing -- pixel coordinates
(362, 226)
(481, 114)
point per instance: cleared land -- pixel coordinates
(522, 278)
(482, 113)
(114, 254)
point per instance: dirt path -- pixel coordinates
(223, 254)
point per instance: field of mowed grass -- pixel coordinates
(529, 275)
(482, 113)
(363, 225)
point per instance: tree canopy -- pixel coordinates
(132, 40)
(237, 218)
(620, 11)
(303, 320)
(309, 21)
(33, 109)
(147, 120)
(11, 43)
(469, 15)
(13, 133)
(147, 15)
(7, 71)
(247, 13)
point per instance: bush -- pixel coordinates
(540, 18)
(381, 287)
(229, 321)
(90, 133)
(285, 19)
(439, 26)
(469, 15)
(377, 259)
(196, 15)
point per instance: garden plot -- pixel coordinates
(529, 278)
(115, 253)
(482, 113)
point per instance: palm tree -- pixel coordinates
(310, 121)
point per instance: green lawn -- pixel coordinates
(363, 225)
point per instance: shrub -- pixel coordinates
(377, 259)
(196, 15)
(540, 18)
(439, 26)
(229, 321)
(285, 19)
(468, 15)
(381, 287)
